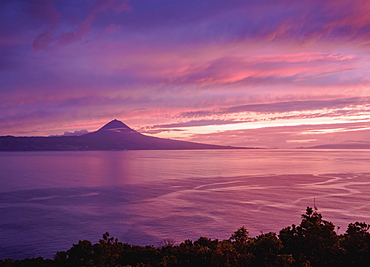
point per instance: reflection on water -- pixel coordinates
(50, 200)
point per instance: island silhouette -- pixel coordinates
(114, 135)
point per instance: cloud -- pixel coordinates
(49, 112)
(194, 123)
(158, 131)
(288, 136)
(305, 21)
(188, 64)
(244, 70)
(43, 12)
(208, 22)
(54, 34)
(100, 6)
(298, 105)
(75, 133)
(279, 107)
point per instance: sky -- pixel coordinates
(255, 73)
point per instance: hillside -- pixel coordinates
(115, 135)
(342, 146)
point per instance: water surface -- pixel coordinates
(50, 200)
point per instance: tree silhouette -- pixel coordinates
(313, 242)
(356, 244)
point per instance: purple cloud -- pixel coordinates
(286, 106)
(75, 133)
(54, 33)
(195, 123)
(291, 136)
(198, 62)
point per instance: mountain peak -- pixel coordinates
(115, 126)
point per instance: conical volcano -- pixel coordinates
(115, 125)
(114, 135)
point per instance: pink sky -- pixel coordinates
(247, 73)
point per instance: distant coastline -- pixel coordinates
(340, 146)
(115, 135)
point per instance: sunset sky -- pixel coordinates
(260, 73)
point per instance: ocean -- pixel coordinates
(51, 200)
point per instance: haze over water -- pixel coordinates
(50, 200)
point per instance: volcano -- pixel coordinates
(115, 135)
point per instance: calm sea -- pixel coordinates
(50, 200)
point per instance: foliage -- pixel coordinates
(313, 242)
(356, 244)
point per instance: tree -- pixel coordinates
(81, 254)
(265, 249)
(356, 245)
(241, 241)
(314, 241)
(240, 237)
(107, 251)
(225, 255)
